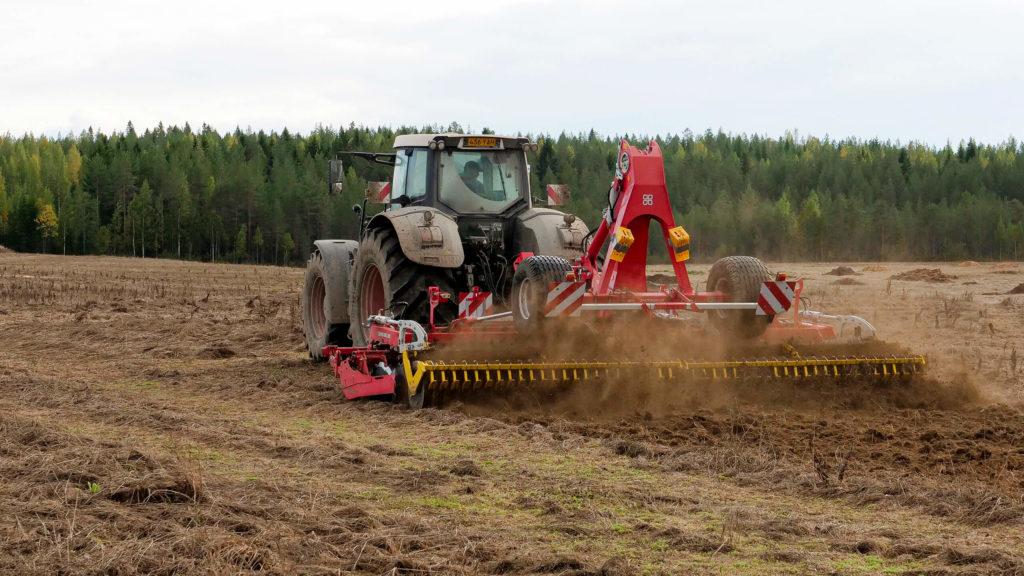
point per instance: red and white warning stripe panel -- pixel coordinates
(776, 297)
(475, 304)
(565, 299)
(558, 194)
(378, 192)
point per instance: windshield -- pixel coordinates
(481, 181)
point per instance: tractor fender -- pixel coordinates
(337, 256)
(545, 231)
(427, 235)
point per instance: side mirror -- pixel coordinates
(336, 176)
(378, 192)
(558, 194)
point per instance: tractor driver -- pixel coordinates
(470, 177)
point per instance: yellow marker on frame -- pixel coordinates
(623, 240)
(680, 241)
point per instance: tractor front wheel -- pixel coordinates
(740, 279)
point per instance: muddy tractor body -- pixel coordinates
(458, 212)
(463, 284)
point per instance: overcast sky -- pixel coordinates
(924, 70)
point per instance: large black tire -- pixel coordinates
(530, 289)
(319, 332)
(740, 278)
(403, 285)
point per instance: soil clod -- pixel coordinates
(466, 468)
(924, 275)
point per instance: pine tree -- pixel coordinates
(240, 253)
(812, 226)
(257, 242)
(5, 208)
(287, 245)
(144, 219)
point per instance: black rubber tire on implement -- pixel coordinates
(402, 280)
(319, 332)
(530, 289)
(740, 278)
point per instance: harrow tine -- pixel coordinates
(486, 375)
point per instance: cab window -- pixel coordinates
(481, 181)
(410, 177)
(416, 180)
(398, 177)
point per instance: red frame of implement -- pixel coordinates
(638, 196)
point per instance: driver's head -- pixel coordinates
(471, 170)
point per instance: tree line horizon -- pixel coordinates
(262, 197)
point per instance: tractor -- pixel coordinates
(458, 212)
(461, 257)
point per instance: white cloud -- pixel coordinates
(918, 70)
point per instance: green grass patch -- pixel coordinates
(445, 502)
(872, 564)
(301, 424)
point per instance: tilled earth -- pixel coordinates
(160, 417)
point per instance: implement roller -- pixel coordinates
(579, 309)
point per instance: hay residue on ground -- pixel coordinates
(842, 271)
(924, 275)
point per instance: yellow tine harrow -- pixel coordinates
(474, 374)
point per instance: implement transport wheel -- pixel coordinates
(318, 330)
(530, 289)
(740, 279)
(384, 281)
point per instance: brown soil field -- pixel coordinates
(160, 417)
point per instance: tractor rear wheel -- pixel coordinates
(316, 325)
(385, 282)
(530, 289)
(740, 279)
